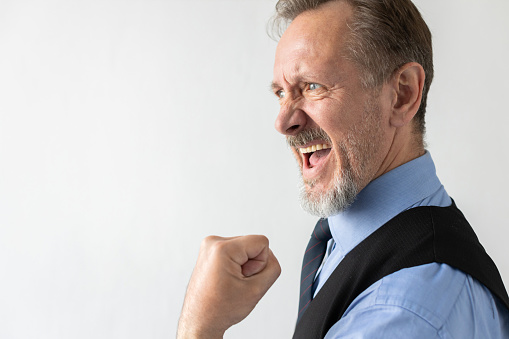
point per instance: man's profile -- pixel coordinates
(391, 256)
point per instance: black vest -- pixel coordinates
(415, 237)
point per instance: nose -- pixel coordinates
(290, 120)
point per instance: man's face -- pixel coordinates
(337, 129)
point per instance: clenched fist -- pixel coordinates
(230, 277)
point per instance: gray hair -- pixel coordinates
(384, 35)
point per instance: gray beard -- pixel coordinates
(333, 201)
(362, 143)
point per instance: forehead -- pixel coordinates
(314, 41)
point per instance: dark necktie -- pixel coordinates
(312, 261)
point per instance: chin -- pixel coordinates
(325, 202)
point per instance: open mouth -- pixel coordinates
(314, 155)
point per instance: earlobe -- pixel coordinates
(407, 82)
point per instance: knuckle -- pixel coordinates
(260, 238)
(277, 269)
(264, 238)
(219, 246)
(209, 238)
(210, 242)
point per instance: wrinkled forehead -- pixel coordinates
(315, 38)
(322, 30)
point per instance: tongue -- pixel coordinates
(317, 156)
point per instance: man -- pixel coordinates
(352, 78)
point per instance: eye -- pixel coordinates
(313, 86)
(280, 94)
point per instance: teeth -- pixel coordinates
(314, 148)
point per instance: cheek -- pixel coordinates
(335, 117)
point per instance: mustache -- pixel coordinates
(307, 136)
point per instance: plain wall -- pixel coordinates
(130, 130)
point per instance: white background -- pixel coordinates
(130, 130)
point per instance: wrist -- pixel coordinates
(198, 335)
(186, 331)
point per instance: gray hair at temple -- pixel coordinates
(384, 35)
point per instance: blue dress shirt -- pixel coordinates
(428, 301)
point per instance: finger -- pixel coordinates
(266, 278)
(212, 239)
(257, 264)
(271, 271)
(275, 267)
(256, 246)
(249, 247)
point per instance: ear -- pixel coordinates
(407, 83)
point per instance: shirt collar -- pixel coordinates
(382, 199)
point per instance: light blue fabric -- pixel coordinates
(428, 301)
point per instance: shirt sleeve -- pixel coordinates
(383, 321)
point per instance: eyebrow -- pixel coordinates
(273, 86)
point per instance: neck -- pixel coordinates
(406, 146)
